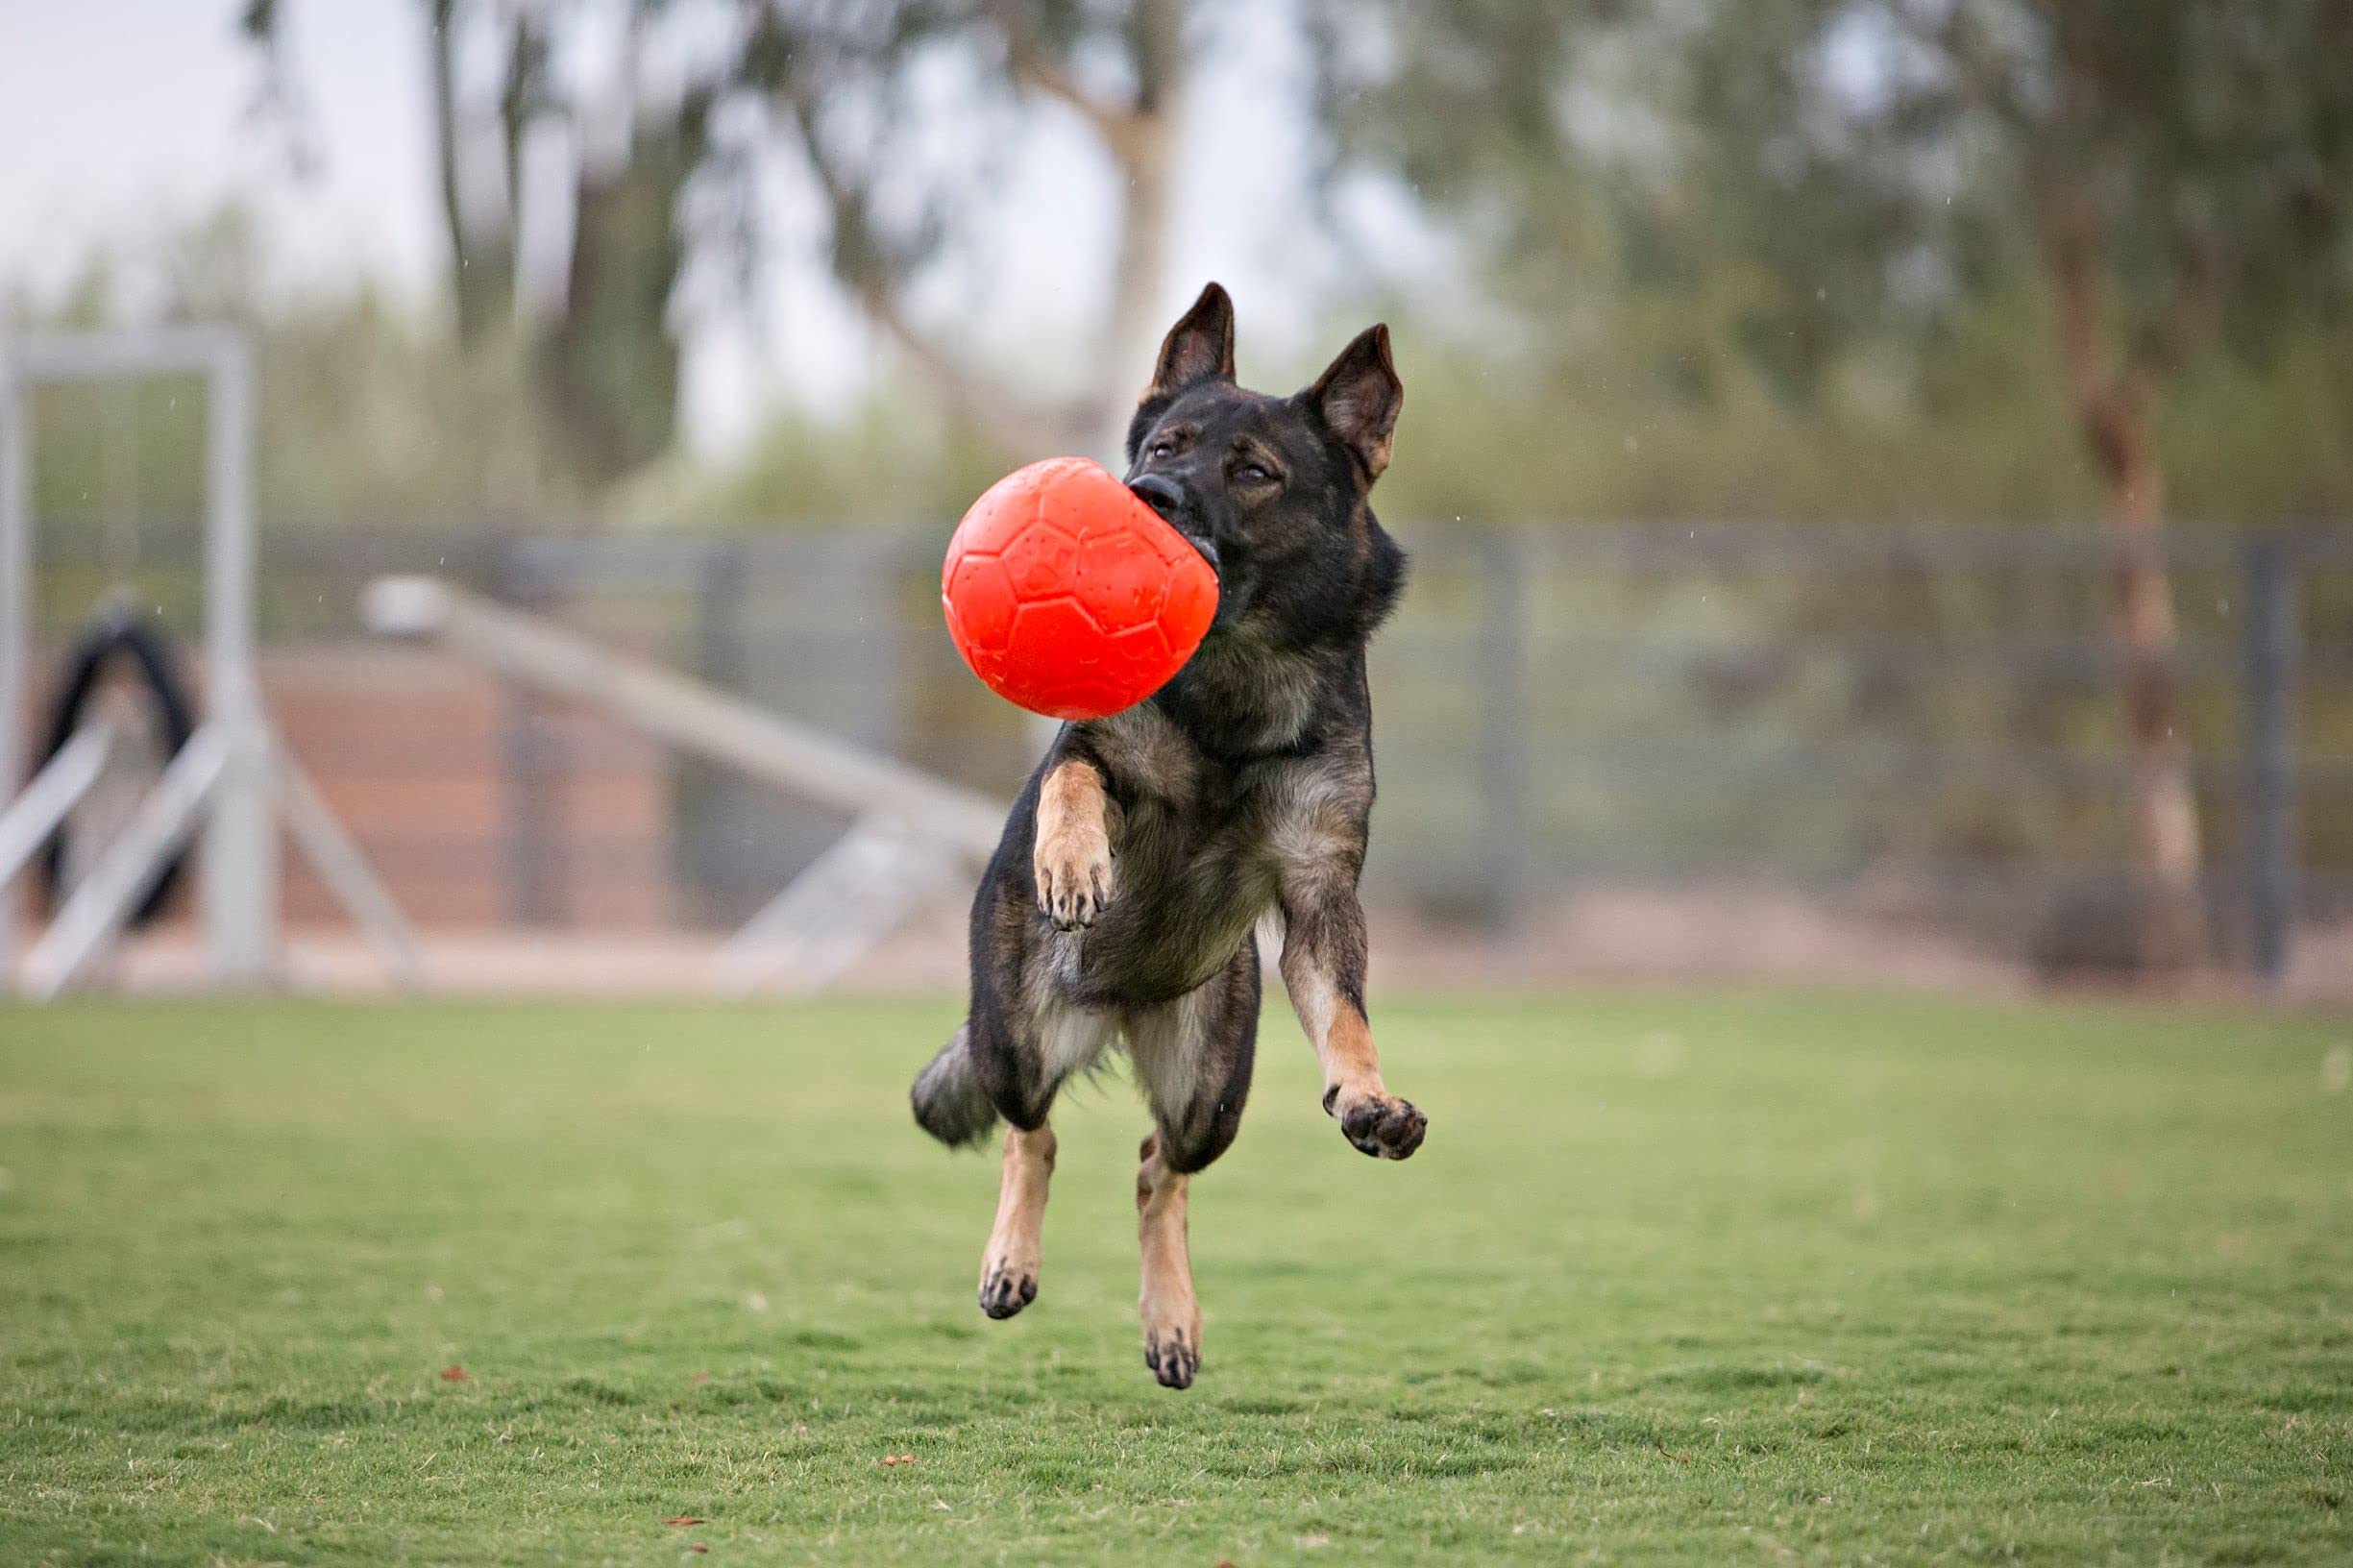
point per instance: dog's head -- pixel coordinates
(1273, 490)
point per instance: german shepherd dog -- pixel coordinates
(1147, 847)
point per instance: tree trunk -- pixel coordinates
(481, 276)
(2115, 408)
(1131, 331)
(607, 368)
(1142, 147)
(1138, 133)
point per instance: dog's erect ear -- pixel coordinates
(1198, 347)
(1357, 398)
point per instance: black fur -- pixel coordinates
(947, 1098)
(1241, 790)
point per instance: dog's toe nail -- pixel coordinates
(1403, 1130)
(1002, 1296)
(1384, 1129)
(1172, 1363)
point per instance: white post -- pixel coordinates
(347, 873)
(240, 882)
(15, 617)
(56, 790)
(685, 712)
(130, 865)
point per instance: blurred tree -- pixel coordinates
(594, 318)
(858, 86)
(897, 110)
(2175, 172)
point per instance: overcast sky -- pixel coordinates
(122, 120)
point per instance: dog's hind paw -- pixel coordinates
(1173, 1359)
(1380, 1125)
(1005, 1289)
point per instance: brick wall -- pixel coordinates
(417, 754)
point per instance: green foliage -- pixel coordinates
(2269, 441)
(1701, 1279)
(369, 417)
(889, 459)
(368, 414)
(1648, 415)
(1862, 168)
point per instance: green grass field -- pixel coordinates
(1718, 1278)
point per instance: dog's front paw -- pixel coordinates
(1380, 1125)
(1074, 881)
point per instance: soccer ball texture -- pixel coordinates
(1068, 596)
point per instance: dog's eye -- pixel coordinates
(1253, 474)
(1163, 449)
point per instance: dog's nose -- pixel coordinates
(1158, 492)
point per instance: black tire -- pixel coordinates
(152, 660)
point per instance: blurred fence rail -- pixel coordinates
(1915, 723)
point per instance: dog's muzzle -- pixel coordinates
(1167, 497)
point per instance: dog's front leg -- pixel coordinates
(1071, 855)
(1323, 967)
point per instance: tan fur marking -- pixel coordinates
(1343, 1039)
(1011, 1261)
(1072, 859)
(1373, 1119)
(1349, 1060)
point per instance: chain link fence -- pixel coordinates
(1916, 726)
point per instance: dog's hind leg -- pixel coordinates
(1009, 1263)
(1171, 1314)
(1044, 1043)
(1192, 1056)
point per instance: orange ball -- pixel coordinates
(1068, 596)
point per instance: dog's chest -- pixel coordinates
(1172, 792)
(1200, 847)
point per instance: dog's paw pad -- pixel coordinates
(1005, 1291)
(1383, 1127)
(1173, 1359)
